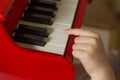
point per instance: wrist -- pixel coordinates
(104, 73)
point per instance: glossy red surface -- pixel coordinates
(17, 63)
(3, 9)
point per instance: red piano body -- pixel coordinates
(17, 63)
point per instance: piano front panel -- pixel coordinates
(57, 40)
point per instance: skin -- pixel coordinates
(88, 48)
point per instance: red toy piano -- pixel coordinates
(33, 45)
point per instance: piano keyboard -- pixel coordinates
(42, 25)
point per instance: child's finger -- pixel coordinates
(79, 54)
(89, 40)
(81, 32)
(82, 46)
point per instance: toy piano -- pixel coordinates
(33, 45)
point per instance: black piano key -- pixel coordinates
(28, 40)
(46, 4)
(38, 19)
(25, 29)
(42, 12)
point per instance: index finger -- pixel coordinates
(81, 32)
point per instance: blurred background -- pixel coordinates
(103, 17)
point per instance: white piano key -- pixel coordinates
(47, 48)
(53, 26)
(67, 10)
(60, 39)
(71, 3)
(67, 13)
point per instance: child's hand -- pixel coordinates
(89, 49)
